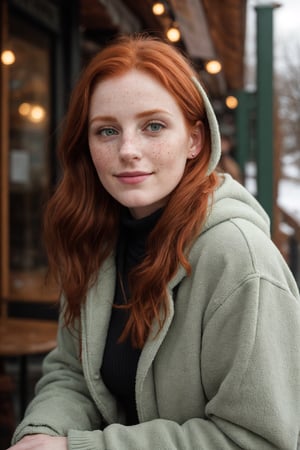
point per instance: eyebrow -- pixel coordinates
(152, 112)
(103, 118)
(140, 115)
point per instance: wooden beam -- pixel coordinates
(121, 16)
(4, 161)
(193, 25)
(227, 28)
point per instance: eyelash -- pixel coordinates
(103, 131)
(155, 123)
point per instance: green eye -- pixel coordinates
(107, 132)
(155, 127)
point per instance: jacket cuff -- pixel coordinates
(23, 431)
(85, 440)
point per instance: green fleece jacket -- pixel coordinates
(223, 373)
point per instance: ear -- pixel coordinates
(196, 140)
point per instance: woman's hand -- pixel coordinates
(41, 442)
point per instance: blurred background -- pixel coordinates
(247, 54)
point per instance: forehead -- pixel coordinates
(134, 88)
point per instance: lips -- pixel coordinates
(133, 177)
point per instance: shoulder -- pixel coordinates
(234, 251)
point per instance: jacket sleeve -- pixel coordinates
(62, 399)
(251, 376)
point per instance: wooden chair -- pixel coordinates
(22, 337)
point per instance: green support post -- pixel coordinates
(264, 110)
(242, 130)
(244, 113)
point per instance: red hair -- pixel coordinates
(82, 219)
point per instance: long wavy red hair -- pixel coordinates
(82, 219)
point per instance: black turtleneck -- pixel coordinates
(120, 360)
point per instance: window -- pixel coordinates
(29, 89)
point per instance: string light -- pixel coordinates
(37, 114)
(24, 109)
(8, 57)
(213, 66)
(158, 9)
(173, 33)
(231, 102)
(34, 113)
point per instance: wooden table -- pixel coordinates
(22, 338)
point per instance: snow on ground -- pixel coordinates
(288, 189)
(289, 186)
(289, 197)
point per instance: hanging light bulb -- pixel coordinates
(173, 33)
(213, 66)
(158, 9)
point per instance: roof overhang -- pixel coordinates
(210, 29)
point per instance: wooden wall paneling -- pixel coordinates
(4, 162)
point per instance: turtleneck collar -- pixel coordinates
(131, 248)
(141, 226)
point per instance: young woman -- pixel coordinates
(180, 322)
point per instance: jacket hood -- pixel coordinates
(214, 129)
(232, 201)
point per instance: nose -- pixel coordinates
(129, 148)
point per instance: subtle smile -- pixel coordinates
(133, 177)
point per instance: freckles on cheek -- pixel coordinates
(101, 156)
(160, 154)
(165, 155)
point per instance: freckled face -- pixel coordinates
(139, 141)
